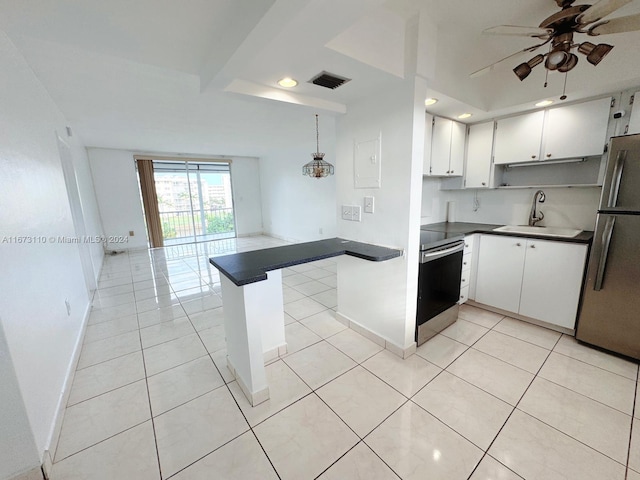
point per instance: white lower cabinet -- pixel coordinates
(499, 276)
(465, 278)
(540, 279)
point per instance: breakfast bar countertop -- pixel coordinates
(250, 267)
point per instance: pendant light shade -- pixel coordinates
(317, 168)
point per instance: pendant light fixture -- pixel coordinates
(317, 168)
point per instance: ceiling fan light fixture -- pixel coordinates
(556, 59)
(571, 62)
(524, 69)
(594, 53)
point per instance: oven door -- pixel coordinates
(439, 281)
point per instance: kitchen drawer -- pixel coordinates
(466, 262)
(464, 295)
(468, 244)
(465, 280)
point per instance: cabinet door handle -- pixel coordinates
(483, 184)
(518, 244)
(533, 156)
(464, 263)
(451, 171)
(533, 246)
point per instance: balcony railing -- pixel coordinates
(216, 223)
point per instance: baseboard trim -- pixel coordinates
(64, 397)
(275, 353)
(35, 473)
(255, 398)
(540, 323)
(375, 338)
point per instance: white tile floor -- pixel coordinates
(489, 398)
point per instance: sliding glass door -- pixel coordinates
(195, 201)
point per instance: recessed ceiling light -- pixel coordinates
(430, 101)
(464, 115)
(544, 103)
(287, 82)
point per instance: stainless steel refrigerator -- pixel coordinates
(610, 313)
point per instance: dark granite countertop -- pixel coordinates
(249, 267)
(464, 228)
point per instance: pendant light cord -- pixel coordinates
(317, 136)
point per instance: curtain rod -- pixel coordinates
(181, 159)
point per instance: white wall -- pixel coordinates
(36, 277)
(247, 195)
(116, 185)
(563, 207)
(382, 296)
(296, 207)
(18, 453)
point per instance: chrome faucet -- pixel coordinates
(537, 197)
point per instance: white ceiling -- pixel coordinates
(188, 75)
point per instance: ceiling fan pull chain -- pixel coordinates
(564, 88)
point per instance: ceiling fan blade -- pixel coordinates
(630, 23)
(600, 10)
(488, 68)
(516, 30)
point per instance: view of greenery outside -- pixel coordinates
(220, 223)
(168, 231)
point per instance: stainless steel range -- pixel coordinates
(438, 282)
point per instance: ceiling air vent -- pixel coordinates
(329, 80)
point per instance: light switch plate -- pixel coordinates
(356, 215)
(369, 203)
(347, 212)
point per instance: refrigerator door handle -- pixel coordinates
(617, 178)
(606, 242)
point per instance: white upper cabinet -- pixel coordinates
(456, 159)
(518, 138)
(634, 120)
(428, 132)
(447, 148)
(479, 151)
(576, 131)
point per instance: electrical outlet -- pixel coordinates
(369, 204)
(356, 213)
(347, 212)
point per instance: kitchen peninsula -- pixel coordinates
(253, 302)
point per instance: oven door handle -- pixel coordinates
(428, 257)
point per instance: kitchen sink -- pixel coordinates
(543, 231)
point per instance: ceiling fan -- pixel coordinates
(558, 32)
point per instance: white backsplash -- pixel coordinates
(564, 207)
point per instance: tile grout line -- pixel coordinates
(146, 379)
(633, 411)
(515, 407)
